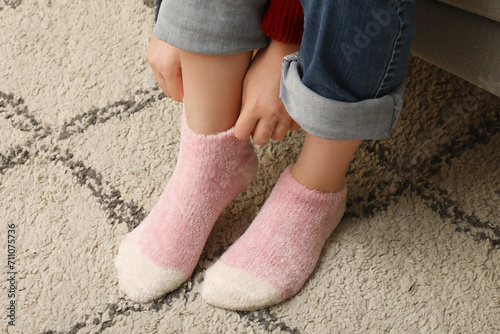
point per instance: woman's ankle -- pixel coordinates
(322, 163)
(317, 182)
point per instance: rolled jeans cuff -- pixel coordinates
(335, 120)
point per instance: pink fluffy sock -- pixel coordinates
(162, 252)
(279, 251)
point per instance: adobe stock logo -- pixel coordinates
(363, 36)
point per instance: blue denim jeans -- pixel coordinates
(347, 81)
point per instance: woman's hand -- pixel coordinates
(166, 65)
(263, 116)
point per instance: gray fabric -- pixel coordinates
(211, 26)
(486, 8)
(463, 43)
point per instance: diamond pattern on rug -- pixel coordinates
(63, 245)
(87, 145)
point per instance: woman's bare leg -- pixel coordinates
(212, 90)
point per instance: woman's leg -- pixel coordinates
(213, 167)
(212, 86)
(345, 85)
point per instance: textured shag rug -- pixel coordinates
(88, 143)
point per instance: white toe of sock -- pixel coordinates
(234, 289)
(140, 279)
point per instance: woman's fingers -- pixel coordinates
(166, 66)
(263, 132)
(245, 125)
(280, 131)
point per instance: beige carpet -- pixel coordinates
(88, 142)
